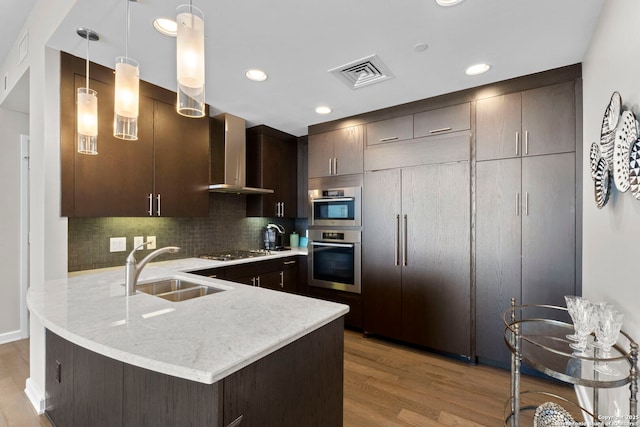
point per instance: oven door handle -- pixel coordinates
(333, 199)
(334, 245)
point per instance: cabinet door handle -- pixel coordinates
(526, 203)
(330, 165)
(213, 276)
(289, 262)
(396, 248)
(236, 422)
(439, 130)
(58, 372)
(517, 143)
(335, 166)
(282, 209)
(526, 142)
(391, 138)
(150, 197)
(404, 236)
(158, 199)
(518, 204)
(253, 281)
(258, 280)
(282, 279)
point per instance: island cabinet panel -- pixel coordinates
(529, 123)
(416, 260)
(337, 152)
(164, 173)
(97, 389)
(272, 163)
(59, 380)
(152, 399)
(300, 385)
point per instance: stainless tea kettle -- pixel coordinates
(273, 237)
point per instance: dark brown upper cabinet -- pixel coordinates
(164, 173)
(272, 162)
(337, 152)
(528, 123)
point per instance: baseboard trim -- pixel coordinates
(36, 396)
(8, 337)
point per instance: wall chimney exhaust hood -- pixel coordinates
(229, 156)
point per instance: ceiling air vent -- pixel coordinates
(362, 72)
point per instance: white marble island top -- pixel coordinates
(204, 339)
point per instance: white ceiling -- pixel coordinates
(297, 42)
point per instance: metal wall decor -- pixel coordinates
(602, 183)
(609, 125)
(617, 155)
(634, 169)
(626, 134)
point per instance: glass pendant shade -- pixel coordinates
(190, 61)
(87, 109)
(125, 124)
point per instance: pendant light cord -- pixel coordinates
(87, 72)
(126, 39)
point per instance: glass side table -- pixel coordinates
(535, 337)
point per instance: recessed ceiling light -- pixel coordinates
(166, 26)
(476, 69)
(256, 75)
(323, 110)
(447, 2)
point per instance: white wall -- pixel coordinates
(12, 124)
(611, 235)
(611, 247)
(48, 249)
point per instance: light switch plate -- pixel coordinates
(137, 241)
(117, 244)
(152, 242)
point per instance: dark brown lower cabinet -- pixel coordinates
(277, 274)
(299, 385)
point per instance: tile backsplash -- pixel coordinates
(225, 228)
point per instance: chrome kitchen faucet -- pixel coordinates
(132, 268)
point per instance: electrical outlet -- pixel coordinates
(137, 241)
(117, 244)
(152, 242)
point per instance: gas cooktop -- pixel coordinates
(234, 254)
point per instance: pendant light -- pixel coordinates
(87, 106)
(190, 60)
(127, 95)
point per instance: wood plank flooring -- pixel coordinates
(15, 408)
(385, 384)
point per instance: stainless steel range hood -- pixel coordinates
(229, 156)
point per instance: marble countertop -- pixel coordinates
(204, 339)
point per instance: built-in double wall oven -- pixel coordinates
(335, 237)
(335, 259)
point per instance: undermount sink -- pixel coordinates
(176, 289)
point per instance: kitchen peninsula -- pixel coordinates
(243, 356)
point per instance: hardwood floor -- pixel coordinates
(385, 385)
(15, 408)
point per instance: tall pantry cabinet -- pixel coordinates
(525, 206)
